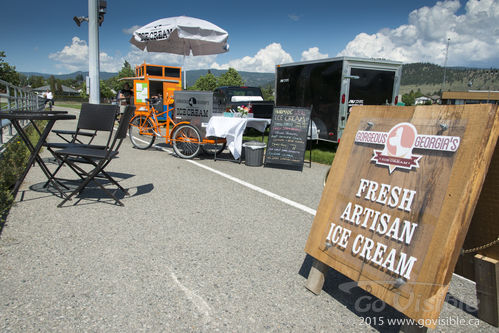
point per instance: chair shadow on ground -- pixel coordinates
(371, 311)
(92, 193)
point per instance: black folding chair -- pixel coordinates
(94, 117)
(76, 136)
(97, 158)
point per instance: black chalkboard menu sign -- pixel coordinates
(288, 138)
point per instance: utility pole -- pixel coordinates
(445, 63)
(96, 11)
(93, 52)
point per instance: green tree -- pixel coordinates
(418, 93)
(52, 83)
(125, 71)
(268, 93)
(105, 90)
(36, 81)
(83, 93)
(207, 82)
(408, 99)
(230, 78)
(59, 87)
(7, 72)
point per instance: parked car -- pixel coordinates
(250, 97)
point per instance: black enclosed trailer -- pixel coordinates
(332, 86)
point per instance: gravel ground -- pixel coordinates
(191, 251)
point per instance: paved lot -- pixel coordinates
(200, 246)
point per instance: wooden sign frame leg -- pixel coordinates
(316, 277)
(315, 282)
(487, 288)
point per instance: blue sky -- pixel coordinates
(42, 36)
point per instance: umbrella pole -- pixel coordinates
(185, 73)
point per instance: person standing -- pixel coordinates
(125, 97)
(49, 98)
(127, 93)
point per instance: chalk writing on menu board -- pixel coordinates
(288, 138)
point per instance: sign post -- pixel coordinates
(400, 197)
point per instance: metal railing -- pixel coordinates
(15, 98)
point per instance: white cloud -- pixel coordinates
(130, 31)
(137, 57)
(312, 54)
(75, 58)
(264, 61)
(474, 35)
(294, 17)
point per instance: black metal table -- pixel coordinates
(32, 116)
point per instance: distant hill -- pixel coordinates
(426, 77)
(423, 76)
(249, 78)
(429, 78)
(103, 75)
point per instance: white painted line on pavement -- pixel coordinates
(250, 186)
(258, 189)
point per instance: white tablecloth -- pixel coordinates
(232, 129)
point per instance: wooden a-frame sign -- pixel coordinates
(400, 197)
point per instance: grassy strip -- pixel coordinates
(12, 164)
(73, 105)
(322, 152)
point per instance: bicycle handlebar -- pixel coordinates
(154, 101)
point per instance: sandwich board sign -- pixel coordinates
(399, 199)
(288, 138)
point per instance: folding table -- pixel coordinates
(51, 117)
(232, 129)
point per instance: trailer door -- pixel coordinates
(314, 85)
(371, 87)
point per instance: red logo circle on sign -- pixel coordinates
(401, 139)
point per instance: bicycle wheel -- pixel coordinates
(186, 141)
(213, 148)
(141, 132)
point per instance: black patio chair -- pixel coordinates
(75, 136)
(93, 119)
(97, 158)
(98, 118)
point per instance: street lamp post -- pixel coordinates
(96, 11)
(93, 52)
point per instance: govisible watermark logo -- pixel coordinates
(371, 310)
(399, 143)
